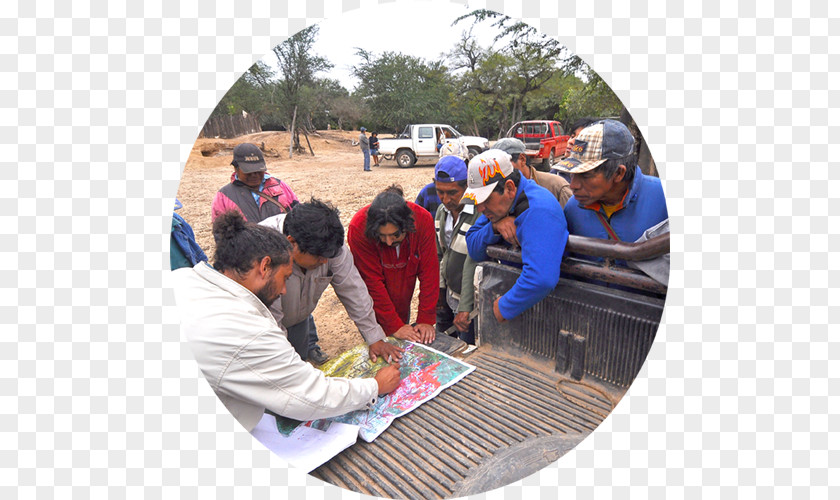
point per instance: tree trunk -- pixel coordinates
(292, 133)
(306, 136)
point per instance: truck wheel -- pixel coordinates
(472, 152)
(405, 159)
(548, 162)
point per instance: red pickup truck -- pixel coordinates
(544, 140)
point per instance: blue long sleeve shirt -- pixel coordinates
(643, 207)
(542, 233)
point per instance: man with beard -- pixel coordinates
(393, 246)
(258, 195)
(238, 345)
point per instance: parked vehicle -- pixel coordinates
(544, 141)
(543, 381)
(418, 142)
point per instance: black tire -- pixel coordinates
(405, 158)
(472, 152)
(547, 162)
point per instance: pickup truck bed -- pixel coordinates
(542, 383)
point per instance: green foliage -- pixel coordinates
(594, 98)
(397, 89)
(479, 90)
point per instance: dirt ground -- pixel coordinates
(334, 175)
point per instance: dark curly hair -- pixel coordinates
(389, 207)
(241, 244)
(316, 228)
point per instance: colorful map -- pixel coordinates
(424, 372)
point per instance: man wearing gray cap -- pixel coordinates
(557, 185)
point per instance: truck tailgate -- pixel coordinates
(505, 421)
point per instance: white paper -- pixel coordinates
(305, 448)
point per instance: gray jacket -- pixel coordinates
(363, 142)
(304, 289)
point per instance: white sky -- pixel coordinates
(420, 29)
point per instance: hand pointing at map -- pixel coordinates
(389, 352)
(388, 378)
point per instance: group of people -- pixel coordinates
(249, 315)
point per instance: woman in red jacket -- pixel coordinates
(393, 245)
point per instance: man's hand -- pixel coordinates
(507, 229)
(407, 332)
(462, 321)
(496, 312)
(388, 352)
(388, 378)
(426, 332)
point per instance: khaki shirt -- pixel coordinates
(558, 186)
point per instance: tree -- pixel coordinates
(254, 92)
(398, 89)
(298, 65)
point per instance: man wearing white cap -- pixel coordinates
(557, 185)
(518, 212)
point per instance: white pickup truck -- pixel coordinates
(418, 142)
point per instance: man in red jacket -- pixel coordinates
(393, 245)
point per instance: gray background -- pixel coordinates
(100, 105)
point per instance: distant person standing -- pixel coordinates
(374, 148)
(364, 144)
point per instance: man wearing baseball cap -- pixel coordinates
(258, 195)
(612, 198)
(452, 221)
(251, 191)
(557, 185)
(517, 212)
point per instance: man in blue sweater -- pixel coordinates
(612, 198)
(517, 212)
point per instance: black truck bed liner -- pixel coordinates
(542, 383)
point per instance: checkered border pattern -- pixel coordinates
(101, 103)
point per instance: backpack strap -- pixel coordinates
(607, 226)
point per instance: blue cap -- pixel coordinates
(450, 169)
(362, 129)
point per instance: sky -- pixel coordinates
(420, 29)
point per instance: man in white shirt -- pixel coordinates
(238, 344)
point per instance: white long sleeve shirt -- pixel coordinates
(248, 361)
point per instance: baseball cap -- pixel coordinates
(454, 147)
(450, 169)
(510, 145)
(362, 129)
(248, 158)
(597, 143)
(484, 172)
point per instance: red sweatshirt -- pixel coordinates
(390, 279)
